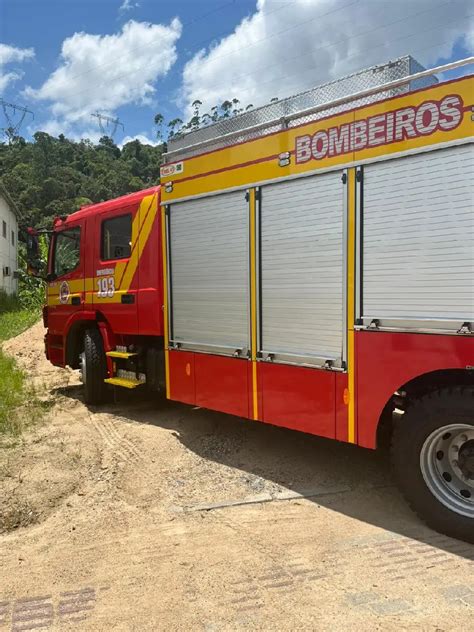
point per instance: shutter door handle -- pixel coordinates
(128, 299)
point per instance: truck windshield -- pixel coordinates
(67, 251)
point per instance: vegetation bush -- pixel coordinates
(31, 290)
(50, 177)
(12, 396)
(19, 405)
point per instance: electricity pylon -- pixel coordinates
(105, 122)
(10, 111)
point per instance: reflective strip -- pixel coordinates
(351, 236)
(253, 298)
(165, 299)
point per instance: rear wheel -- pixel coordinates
(93, 367)
(433, 460)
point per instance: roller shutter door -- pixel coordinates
(302, 267)
(418, 237)
(208, 240)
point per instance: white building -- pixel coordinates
(8, 242)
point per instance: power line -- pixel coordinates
(223, 34)
(325, 46)
(352, 57)
(143, 47)
(122, 76)
(336, 43)
(290, 28)
(288, 4)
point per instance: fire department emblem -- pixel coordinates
(64, 292)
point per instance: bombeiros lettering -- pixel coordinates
(382, 129)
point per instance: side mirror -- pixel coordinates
(34, 264)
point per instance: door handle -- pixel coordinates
(76, 300)
(127, 299)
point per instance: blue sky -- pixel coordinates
(64, 59)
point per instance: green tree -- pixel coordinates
(50, 176)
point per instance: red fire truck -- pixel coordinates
(308, 264)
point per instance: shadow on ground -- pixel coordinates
(292, 460)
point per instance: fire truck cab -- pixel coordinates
(104, 293)
(310, 265)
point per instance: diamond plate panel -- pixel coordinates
(213, 136)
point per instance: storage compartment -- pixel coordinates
(418, 238)
(298, 398)
(302, 254)
(209, 273)
(221, 384)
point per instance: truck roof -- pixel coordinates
(110, 205)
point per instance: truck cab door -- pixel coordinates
(66, 285)
(115, 270)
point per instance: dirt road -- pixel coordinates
(147, 515)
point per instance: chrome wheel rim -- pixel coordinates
(447, 465)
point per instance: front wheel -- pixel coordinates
(433, 460)
(93, 367)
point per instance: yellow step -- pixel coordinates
(123, 381)
(120, 354)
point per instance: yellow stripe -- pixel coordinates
(124, 271)
(351, 202)
(253, 298)
(147, 212)
(165, 302)
(254, 390)
(246, 164)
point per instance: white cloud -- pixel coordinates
(281, 50)
(10, 55)
(77, 133)
(128, 5)
(143, 138)
(104, 72)
(55, 127)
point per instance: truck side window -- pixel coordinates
(67, 251)
(116, 238)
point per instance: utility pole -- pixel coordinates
(14, 123)
(105, 122)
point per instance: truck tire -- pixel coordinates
(433, 460)
(93, 368)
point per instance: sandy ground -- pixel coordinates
(150, 515)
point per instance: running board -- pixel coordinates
(123, 355)
(123, 381)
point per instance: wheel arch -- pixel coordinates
(418, 386)
(74, 338)
(75, 335)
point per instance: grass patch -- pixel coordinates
(14, 323)
(12, 396)
(13, 318)
(19, 405)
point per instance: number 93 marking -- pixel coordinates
(106, 287)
